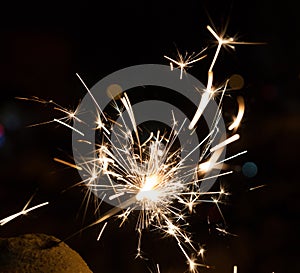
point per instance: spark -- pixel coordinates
(221, 41)
(184, 62)
(201, 252)
(225, 42)
(22, 212)
(235, 269)
(190, 261)
(240, 114)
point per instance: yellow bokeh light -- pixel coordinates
(114, 91)
(236, 82)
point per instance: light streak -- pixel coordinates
(224, 231)
(101, 231)
(225, 142)
(214, 176)
(69, 126)
(70, 114)
(67, 163)
(240, 114)
(116, 195)
(235, 269)
(257, 187)
(22, 212)
(203, 103)
(231, 157)
(91, 95)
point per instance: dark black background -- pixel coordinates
(44, 44)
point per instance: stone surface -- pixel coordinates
(36, 253)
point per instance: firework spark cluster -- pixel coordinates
(162, 188)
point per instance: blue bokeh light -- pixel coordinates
(249, 169)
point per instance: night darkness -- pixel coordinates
(44, 44)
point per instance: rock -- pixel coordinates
(36, 253)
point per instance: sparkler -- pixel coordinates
(150, 176)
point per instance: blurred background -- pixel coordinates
(44, 44)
